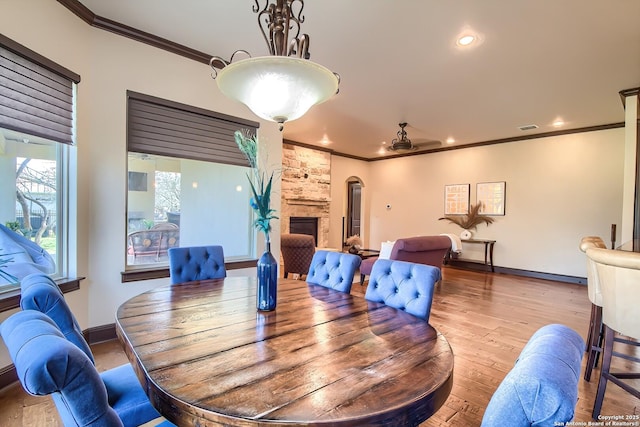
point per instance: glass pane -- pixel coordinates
(180, 202)
(30, 188)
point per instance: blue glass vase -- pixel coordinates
(267, 281)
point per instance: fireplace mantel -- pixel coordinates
(308, 202)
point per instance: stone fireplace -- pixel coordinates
(306, 189)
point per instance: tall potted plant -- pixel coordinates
(261, 184)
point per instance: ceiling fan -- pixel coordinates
(403, 143)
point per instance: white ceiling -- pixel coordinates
(538, 61)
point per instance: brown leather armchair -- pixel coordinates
(429, 250)
(297, 253)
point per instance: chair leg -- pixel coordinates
(604, 371)
(594, 341)
(590, 331)
(286, 274)
(361, 279)
(600, 338)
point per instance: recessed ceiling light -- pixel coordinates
(450, 140)
(325, 140)
(558, 123)
(466, 40)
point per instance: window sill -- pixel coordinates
(11, 300)
(160, 273)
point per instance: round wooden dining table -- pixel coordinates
(207, 357)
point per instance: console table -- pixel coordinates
(488, 251)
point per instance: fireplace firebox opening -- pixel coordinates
(304, 225)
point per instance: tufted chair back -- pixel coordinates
(196, 263)
(297, 251)
(39, 292)
(48, 364)
(333, 270)
(403, 285)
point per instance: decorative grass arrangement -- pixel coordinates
(471, 220)
(260, 184)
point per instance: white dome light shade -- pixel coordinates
(277, 88)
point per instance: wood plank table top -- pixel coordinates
(207, 357)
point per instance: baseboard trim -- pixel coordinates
(8, 376)
(98, 334)
(475, 266)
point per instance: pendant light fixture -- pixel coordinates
(283, 86)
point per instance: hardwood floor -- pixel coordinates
(487, 319)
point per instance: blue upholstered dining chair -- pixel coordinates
(125, 394)
(542, 387)
(48, 364)
(403, 285)
(39, 292)
(190, 263)
(333, 270)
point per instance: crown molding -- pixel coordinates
(82, 12)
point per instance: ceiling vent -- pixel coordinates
(528, 127)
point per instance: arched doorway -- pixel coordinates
(354, 208)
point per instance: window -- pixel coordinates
(33, 187)
(187, 182)
(37, 128)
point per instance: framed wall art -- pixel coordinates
(491, 195)
(456, 199)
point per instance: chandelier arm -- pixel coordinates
(256, 8)
(300, 47)
(284, 24)
(216, 63)
(233, 55)
(293, 19)
(266, 25)
(298, 16)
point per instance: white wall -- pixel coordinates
(558, 189)
(109, 65)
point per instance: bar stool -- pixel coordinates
(619, 279)
(594, 336)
